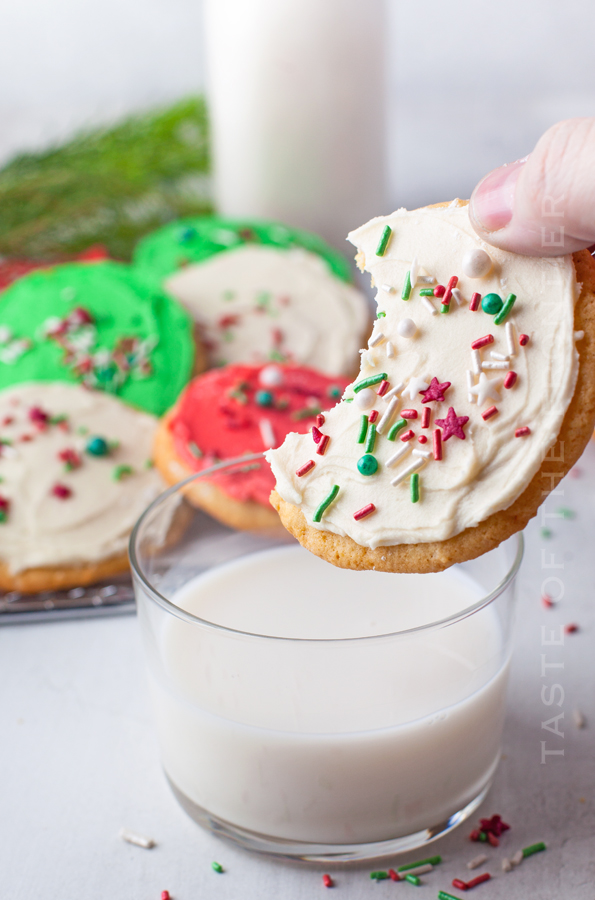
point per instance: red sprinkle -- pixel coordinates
(8, 420)
(482, 342)
(364, 511)
(494, 826)
(522, 432)
(452, 283)
(323, 445)
(373, 416)
(475, 301)
(409, 414)
(510, 380)
(461, 885)
(422, 439)
(479, 880)
(407, 436)
(320, 420)
(547, 601)
(493, 840)
(165, 895)
(383, 388)
(523, 339)
(38, 416)
(571, 628)
(474, 836)
(327, 881)
(393, 875)
(489, 412)
(437, 439)
(25, 438)
(70, 457)
(61, 491)
(316, 434)
(425, 417)
(439, 290)
(303, 470)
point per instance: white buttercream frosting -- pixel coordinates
(255, 303)
(95, 521)
(488, 470)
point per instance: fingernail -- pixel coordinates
(493, 199)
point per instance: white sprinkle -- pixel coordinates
(394, 391)
(399, 454)
(365, 399)
(470, 384)
(138, 839)
(425, 453)
(419, 870)
(377, 339)
(8, 452)
(457, 296)
(495, 365)
(271, 376)
(579, 335)
(517, 859)
(506, 864)
(417, 463)
(390, 350)
(429, 305)
(579, 719)
(510, 339)
(476, 264)
(499, 356)
(267, 434)
(426, 279)
(407, 328)
(476, 362)
(415, 386)
(388, 288)
(413, 272)
(387, 415)
(477, 861)
(6, 334)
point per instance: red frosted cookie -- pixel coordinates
(235, 411)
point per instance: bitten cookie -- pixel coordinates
(233, 412)
(475, 397)
(75, 474)
(260, 291)
(97, 324)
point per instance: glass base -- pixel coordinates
(323, 853)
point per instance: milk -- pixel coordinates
(328, 728)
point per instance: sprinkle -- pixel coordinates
(394, 391)
(437, 443)
(407, 328)
(321, 449)
(439, 290)
(419, 452)
(470, 386)
(510, 341)
(492, 840)
(533, 848)
(367, 464)
(414, 271)
(510, 380)
(452, 425)
(452, 283)
(476, 362)
(371, 440)
(457, 296)
(506, 865)
(517, 859)
(165, 895)
(307, 467)
(409, 413)
(379, 876)
(442, 895)
(406, 292)
(571, 628)
(376, 340)
(267, 434)
(416, 463)
(362, 430)
(415, 386)
(61, 491)
(70, 458)
(495, 365)
(334, 392)
(492, 304)
(523, 340)
(489, 412)
(384, 239)
(482, 342)
(393, 431)
(388, 288)
(412, 879)
(475, 301)
(414, 487)
(369, 382)
(398, 454)
(509, 303)
(431, 861)
(393, 875)
(387, 416)
(195, 449)
(545, 532)
(422, 439)
(364, 511)
(579, 335)
(408, 435)
(479, 880)
(263, 398)
(320, 420)
(499, 356)
(429, 305)
(547, 601)
(522, 432)
(445, 308)
(383, 388)
(390, 350)
(138, 839)
(217, 867)
(426, 279)
(461, 885)
(425, 417)
(122, 471)
(327, 881)
(565, 512)
(578, 718)
(365, 399)
(477, 861)
(435, 391)
(373, 416)
(426, 292)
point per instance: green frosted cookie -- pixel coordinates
(100, 325)
(194, 240)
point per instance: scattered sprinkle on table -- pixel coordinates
(477, 861)
(165, 895)
(217, 867)
(431, 861)
(545, 533)
(578, 718)
(327, 881)
(533, 848)
(139, 840)
(442, 895)
(379, 876)
(571, 628)
(564, 512)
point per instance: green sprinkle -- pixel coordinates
(348, 400)
(413, 879)
(367, 464)
(325, 503)
(380, 315)
(371, 439)
(217, 867)
(378, 876)
(122, 471)
(149, 464)
(534, 848)
(394, 429)
(406, 292)
(492, 304)
(426, 292)
(82, 429)
(545, 533)
(368, 382)
(3, 516)
(442, 895)
(431, 861)
(445, 308)
(505, 309)
(195, 449)
(483, 836)
(565, 513)
(57, 420)
(363, 429)
(306, 413)
(414, 487)
(384, 239)
(334, 391)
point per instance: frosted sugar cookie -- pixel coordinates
(260, 291)
(75, 474)
(234, 411)
(475, 397)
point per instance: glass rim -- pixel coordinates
(167, 605)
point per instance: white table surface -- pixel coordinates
(79, 759)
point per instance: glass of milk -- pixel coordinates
(316, 712)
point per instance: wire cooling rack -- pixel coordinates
(111, 598)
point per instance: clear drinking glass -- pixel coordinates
(314, 712)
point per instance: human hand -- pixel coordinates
(543, 205)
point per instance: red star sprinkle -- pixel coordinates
(436, 391)
(453, 424)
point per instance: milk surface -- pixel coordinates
(329, 727)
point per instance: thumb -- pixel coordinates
(543, 205)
